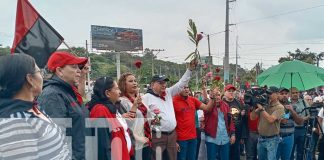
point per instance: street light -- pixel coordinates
(153, 55)
(210, 60)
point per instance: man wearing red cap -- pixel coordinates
(239, 118)
(60, 98)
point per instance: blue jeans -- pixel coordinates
(285, 147)
(235, 150)
(251, 146)
(267, 148)
(215, 151)
(187, 149)
(198, 142)
(298, 144)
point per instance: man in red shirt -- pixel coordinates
(185, 107)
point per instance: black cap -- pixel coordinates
(272, 89)
(283, 89)
(159, 78)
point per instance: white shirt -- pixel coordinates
(168, 121)
(138, 126)
(124, 125)
(320, 114)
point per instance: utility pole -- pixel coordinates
(226, 58)
(158, 51)
(236, 60)
(209, 54)
(118, 64)
(88, 74)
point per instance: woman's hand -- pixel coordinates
(143, 140)
(137, 101)
(178, 147)
(129, 116)
(232, 141)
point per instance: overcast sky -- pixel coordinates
(299, 24)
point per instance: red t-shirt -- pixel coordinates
(253, 124)
(185, 115)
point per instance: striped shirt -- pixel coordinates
(289, 127)
(26, 136)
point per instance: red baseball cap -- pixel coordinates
(60, 59)
(229, 86)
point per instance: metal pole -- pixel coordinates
(209, 54)
(226, 58)
(158, 51)
(88, 75)
(152, 64)
(160, 69)
(118, 64)
(236, 60)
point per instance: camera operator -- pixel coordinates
(300, 130)
(269, 124)
(321, 141)
(287, 126)
(314, 120)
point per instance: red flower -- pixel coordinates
(138, 64)
(217, 78)
(199, 37)
(156, 111)
(217, 69)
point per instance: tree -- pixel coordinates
(4, 51)
(80, 51)
(305, 56)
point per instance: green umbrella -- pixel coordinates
(295, 73)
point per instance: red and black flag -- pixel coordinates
(34, 35)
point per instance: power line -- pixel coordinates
(280, 14)
(283, 43)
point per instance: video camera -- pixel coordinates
(255, 96)
(313, 110)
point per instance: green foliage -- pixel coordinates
(305, 56)
(4, 51)
(193, 37)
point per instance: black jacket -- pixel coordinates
(241, 126)
(58, 100)
(10, 106)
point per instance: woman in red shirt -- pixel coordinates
(114, 142)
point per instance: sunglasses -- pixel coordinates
(81, 66)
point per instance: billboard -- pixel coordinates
(117, 39)
(206, 59)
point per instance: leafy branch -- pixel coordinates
(194, 38)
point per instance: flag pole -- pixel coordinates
(69, 48)
(66, 45)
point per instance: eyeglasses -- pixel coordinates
(40, 71)
(83, 66)
(308, 99)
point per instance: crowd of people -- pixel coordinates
(51, 120)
